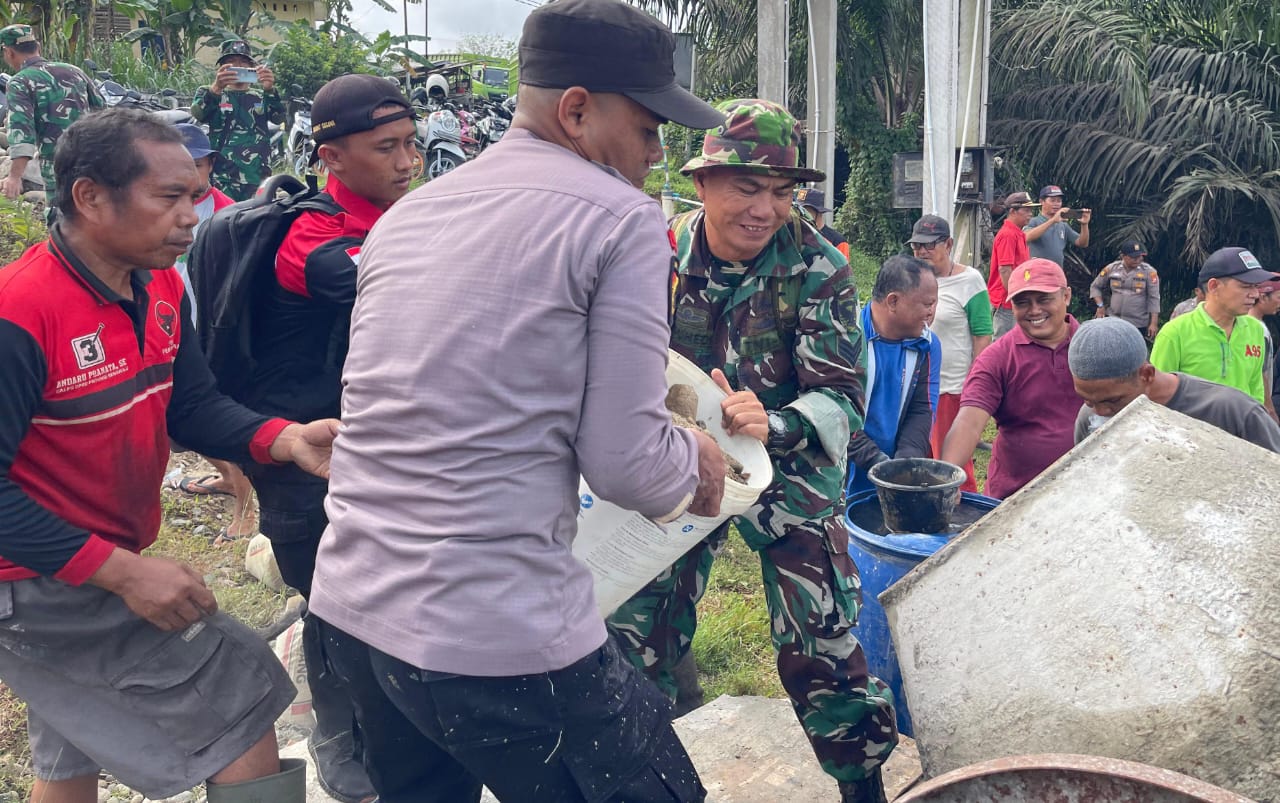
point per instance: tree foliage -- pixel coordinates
(1165, 115)
(311, 58)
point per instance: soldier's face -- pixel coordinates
(149, 223)
(377, 164)
(743, 210)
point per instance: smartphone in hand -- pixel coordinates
(245, 75)
(1072, 214)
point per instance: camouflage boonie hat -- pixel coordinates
(758, 135)
(15, 35)
(236, 47)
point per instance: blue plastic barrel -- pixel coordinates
(883, 560)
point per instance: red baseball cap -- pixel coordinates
(1040, 275)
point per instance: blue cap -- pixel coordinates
(195, 140)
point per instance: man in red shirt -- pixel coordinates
(123, 660)
(1009, 249)
(1024, 382)
(364, 133)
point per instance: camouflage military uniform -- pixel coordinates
(45, 98)
(237, 122)
(786, 328)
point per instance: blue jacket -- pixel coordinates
(909, 430)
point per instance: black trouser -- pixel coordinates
(593, 731)
(291, 514)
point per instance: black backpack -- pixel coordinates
(232, 268)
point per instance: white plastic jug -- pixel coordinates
(625, 550)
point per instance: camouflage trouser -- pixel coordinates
(239, 181)
(846, 714)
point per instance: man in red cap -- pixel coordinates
(1023, 381)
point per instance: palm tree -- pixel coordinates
(1166, 114)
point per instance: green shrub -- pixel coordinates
(310, 59)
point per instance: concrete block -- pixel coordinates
(1122, 604)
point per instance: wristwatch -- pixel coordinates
(779, 432)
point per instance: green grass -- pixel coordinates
(864, 269)
(734, 652)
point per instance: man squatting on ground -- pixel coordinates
(487, 369)
(762, 297)
(122, 660)
(1109, 366)
(364, 134)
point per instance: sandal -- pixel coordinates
(201, 486)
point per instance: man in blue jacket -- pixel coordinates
(898, 366)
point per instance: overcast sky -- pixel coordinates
(450, 19)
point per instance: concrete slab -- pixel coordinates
(1122, 604)
(752, 750)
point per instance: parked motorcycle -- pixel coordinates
(440, 142)
(298, 146)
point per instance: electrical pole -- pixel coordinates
(771, 50)
(426, 29)
(820, 143)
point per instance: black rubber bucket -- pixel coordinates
(917, 495)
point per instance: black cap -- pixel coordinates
(930, 229)
(1051, 191)
(1234, 263)
(814, 198)
(346, 104)
(608, 46)
(1132, 248)
(236, 47)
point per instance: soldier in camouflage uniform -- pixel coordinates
(45, 98)
(237, 116)
(758, 294)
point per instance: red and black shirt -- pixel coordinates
(300, 340)
(94, 386)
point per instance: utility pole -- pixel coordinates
(771, 50)
(820, 144)
(426, 29)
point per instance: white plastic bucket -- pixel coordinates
(625, 550)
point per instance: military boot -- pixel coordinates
(868, 790)
(288, 786)
(332, 744)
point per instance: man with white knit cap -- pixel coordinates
(1108, 361)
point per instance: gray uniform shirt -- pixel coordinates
(1225, 407)
(1135, 294)
(509, 332)
(1052, 245)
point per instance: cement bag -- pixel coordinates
(260, 562)
(623, 549)
(288, 649)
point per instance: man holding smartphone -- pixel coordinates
(1049, 233)
(237, 114)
